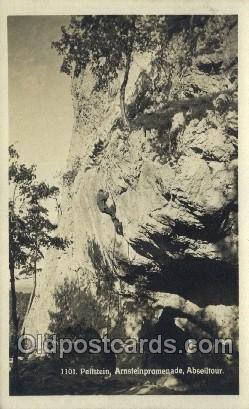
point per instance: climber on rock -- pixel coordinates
(102, 197)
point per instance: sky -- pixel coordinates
(40, 109)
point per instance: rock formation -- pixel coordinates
(172, 178)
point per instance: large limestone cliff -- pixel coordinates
(166, 233)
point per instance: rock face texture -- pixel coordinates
(172, 180)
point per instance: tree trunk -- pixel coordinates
(123, 89)
(32, 295)
(31, 298)
(15, 372)
(126, 76)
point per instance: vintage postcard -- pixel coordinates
(121, 211)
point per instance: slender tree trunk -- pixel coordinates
(15, 320)
(31, 299)
(126, 76)
(32, 295)
(123, 89)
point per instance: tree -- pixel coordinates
(107, 43)
(20, 178)
(30, 231)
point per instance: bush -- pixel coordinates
(77, 310)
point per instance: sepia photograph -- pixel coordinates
(123, 204)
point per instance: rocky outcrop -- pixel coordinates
(172, 179)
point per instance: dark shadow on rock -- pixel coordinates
(201, 280)
(165, 329)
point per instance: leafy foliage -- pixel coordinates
(102, 40)
(107, 44)
(30, 229)
(75, 308)
(106, 41)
